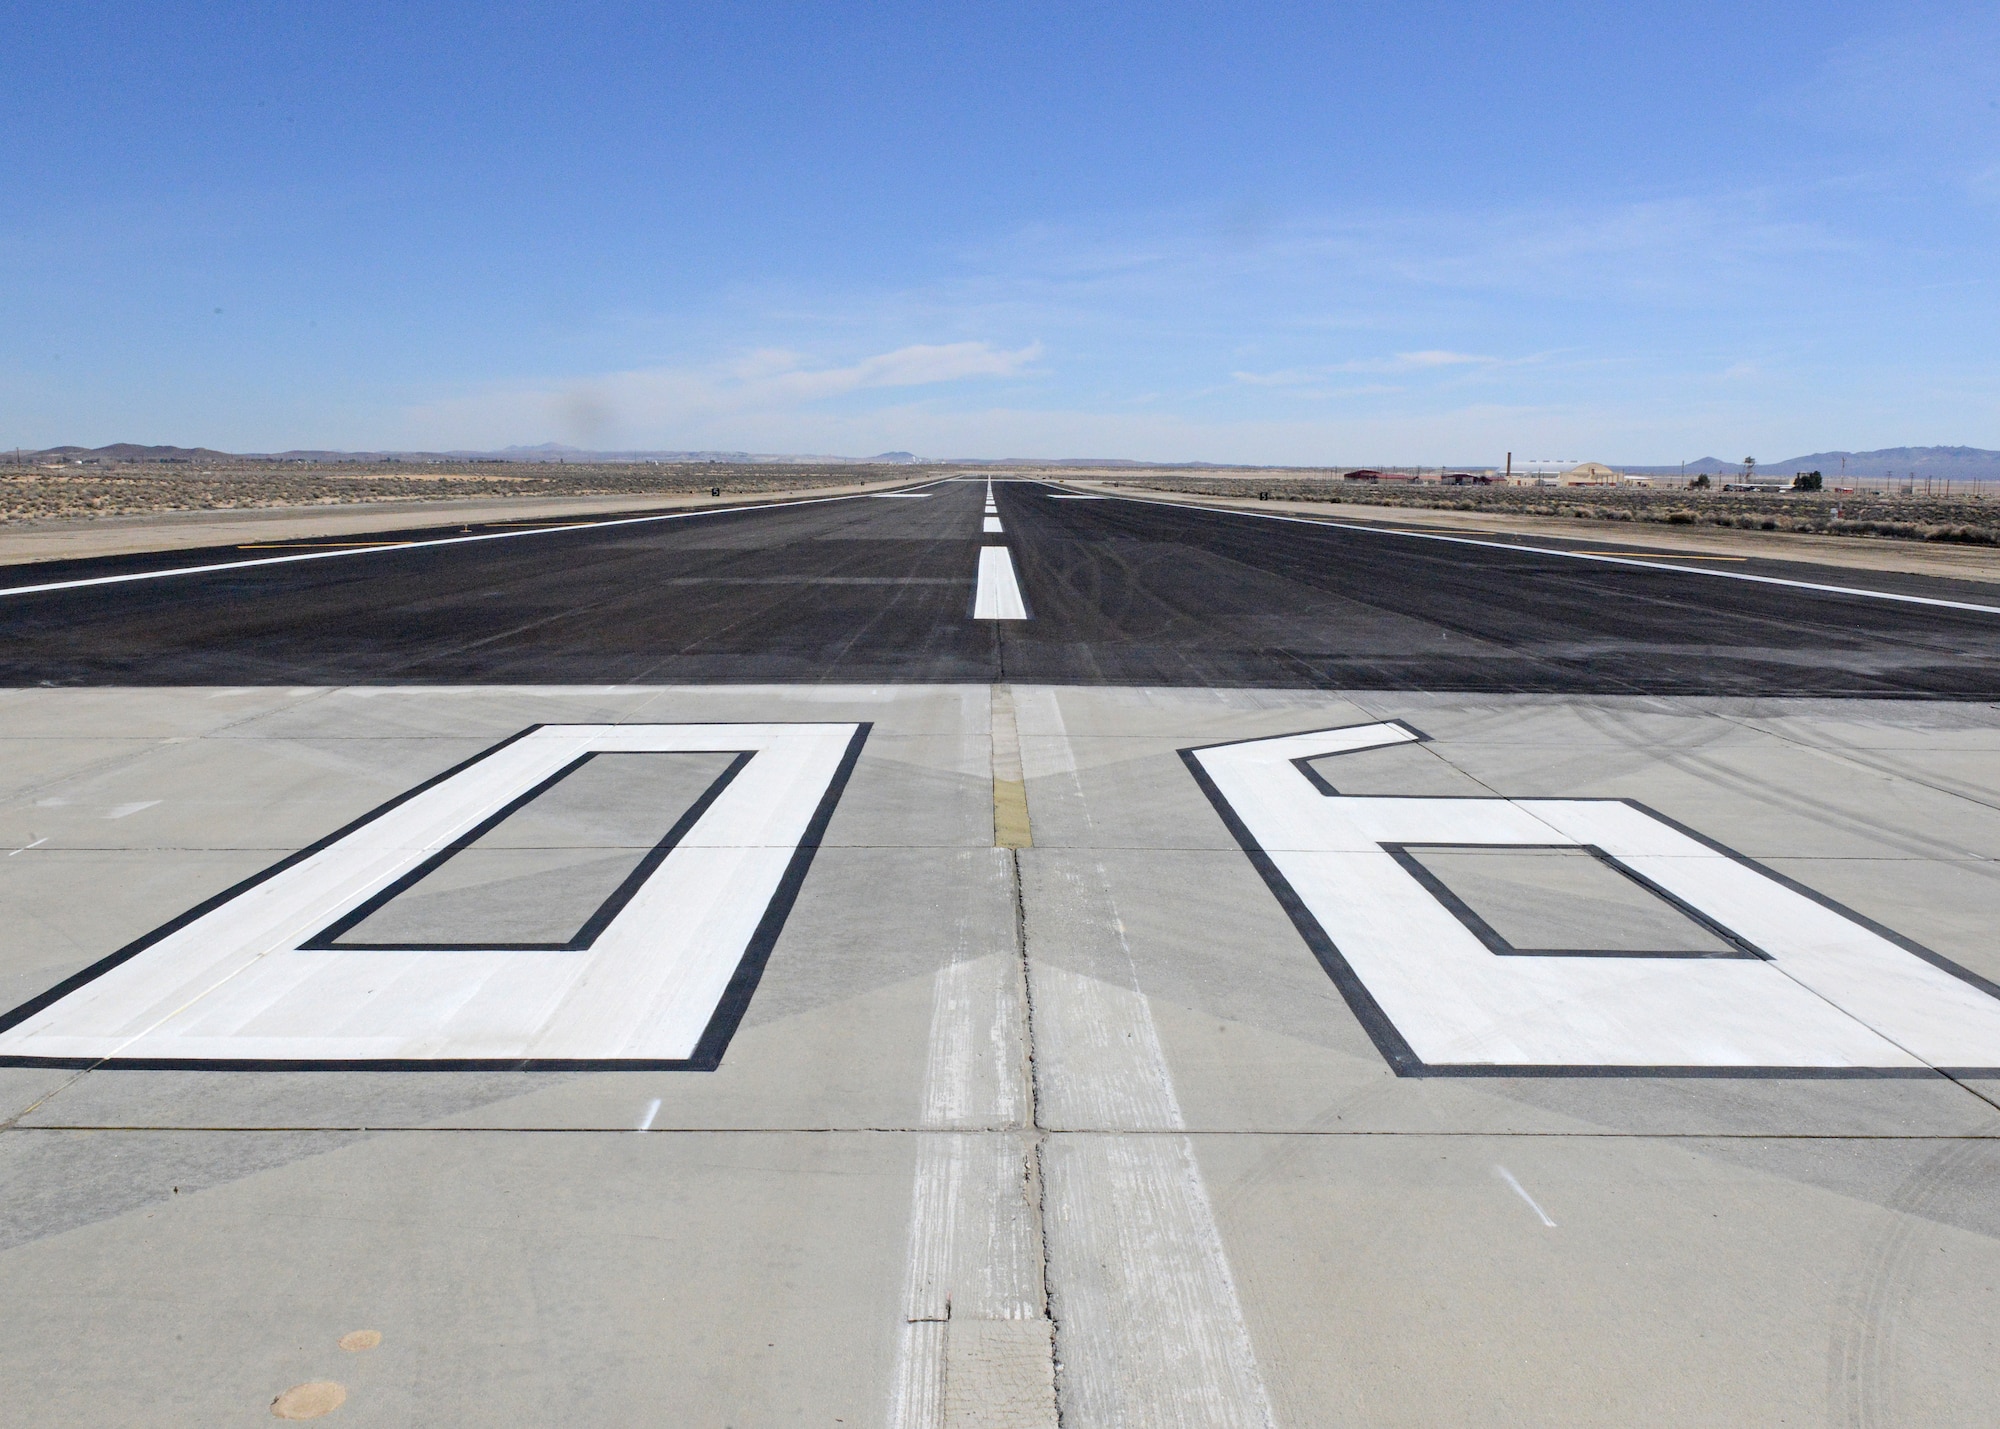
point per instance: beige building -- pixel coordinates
(1591, 473)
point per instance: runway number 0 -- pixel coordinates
(1820, 988)
(662, 983)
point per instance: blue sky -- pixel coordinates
(1300, 234)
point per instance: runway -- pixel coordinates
(801, 966)
(1124, 592)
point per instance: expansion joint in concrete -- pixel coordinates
(1036, 1188)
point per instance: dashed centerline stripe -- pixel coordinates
(999, 593)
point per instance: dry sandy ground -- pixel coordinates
(85, 536)
(1867, 553)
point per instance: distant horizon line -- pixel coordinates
(1986, 461)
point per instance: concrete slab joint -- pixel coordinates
(1063, 1121)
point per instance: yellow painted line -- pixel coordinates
(1661, 556)
(1010, 785)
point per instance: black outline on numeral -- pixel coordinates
(328, 939)
(1398, 1053)
(715, 1038)
(1497, 944)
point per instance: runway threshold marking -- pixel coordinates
(1635, 562)
(1808, 986)
(998, 596)
(379, 546)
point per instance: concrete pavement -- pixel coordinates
(1081, 1124)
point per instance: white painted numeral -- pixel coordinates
(662, 983)
(1828, 992)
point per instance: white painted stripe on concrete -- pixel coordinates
(1150, 1329)
(999, 593)
(1522, 1192)
(1646, 564)
(974, 1346)
(992, 526)
(385, 546)
(1829, 992)
(235, 984)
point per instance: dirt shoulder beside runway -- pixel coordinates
(1973, 563)
(82, 537)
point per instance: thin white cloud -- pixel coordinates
(1358, 336)
(650, 406)
(1400, 362)
(1438, 359)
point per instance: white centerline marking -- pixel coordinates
(1522, 1192)
(1644, 564)
(992, 526)
(410, 545)
(999, 594)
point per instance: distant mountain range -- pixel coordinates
(556, 452)
(545, 452)
(1958, 463)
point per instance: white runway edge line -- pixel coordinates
(1641, 564)
(999, 594)
(420, 545)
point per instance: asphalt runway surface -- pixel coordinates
(1123, 592)
(841, 963)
